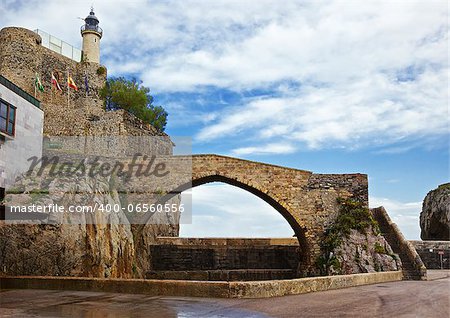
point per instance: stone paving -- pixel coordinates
(397, 299)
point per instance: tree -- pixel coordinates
(132, 96)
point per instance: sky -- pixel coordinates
(325, 86)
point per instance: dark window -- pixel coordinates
(7, 118)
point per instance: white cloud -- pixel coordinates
(185, 116)
(373, 111)
(365, 73)
(265, 149)
(405, 214)
(221, 210)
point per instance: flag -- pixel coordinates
(55, 82)
(86, 83)
(38, 84)
(71, 83)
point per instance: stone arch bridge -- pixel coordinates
(308, 201)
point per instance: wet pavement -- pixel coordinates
(396, 299)
(45, 303)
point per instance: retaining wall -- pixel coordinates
(258, 289)
(429, 252)
(185, 254)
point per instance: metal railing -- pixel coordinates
(94, 28)
(61, 47)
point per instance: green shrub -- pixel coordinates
(379, 248)
(377, 268)
(130, 95)
(353, 215)
(101, 71)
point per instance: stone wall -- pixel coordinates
(22, 56)
(429, 253)
(355, 183)
(150, 287)
(181, 254)
(412, 266)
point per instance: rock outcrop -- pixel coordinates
(88, 244)
(365, 253)
(435, 215)
(353, 244)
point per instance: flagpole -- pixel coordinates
(68, 89)
(39, 88)
(51, 88)
(35, 79)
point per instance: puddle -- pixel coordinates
(35, 303)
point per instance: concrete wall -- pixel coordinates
(27, 142)
(278, 288)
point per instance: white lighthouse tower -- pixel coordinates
(91, 34)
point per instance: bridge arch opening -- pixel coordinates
(220, 210)
(298, 231)
(238, 258)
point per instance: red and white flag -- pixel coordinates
(55, 82)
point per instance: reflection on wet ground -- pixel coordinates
(44, 303)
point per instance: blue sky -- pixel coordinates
(331, 87)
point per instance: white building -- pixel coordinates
(21, 131)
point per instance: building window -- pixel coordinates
(7, 118)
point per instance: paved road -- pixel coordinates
(397, 299)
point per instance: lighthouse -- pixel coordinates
(91, 34)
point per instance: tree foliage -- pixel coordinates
(132, 96)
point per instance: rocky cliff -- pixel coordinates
(353, 244)
(435, 215)
(365, 253)
(91, 244)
